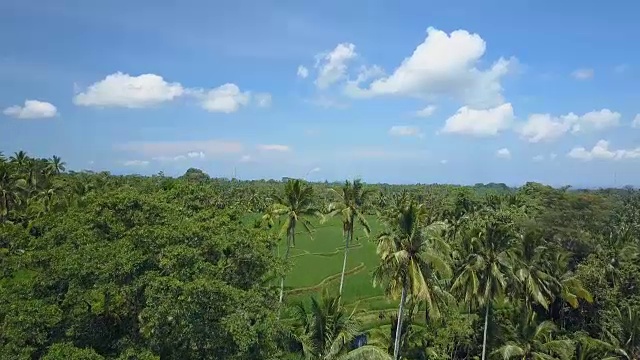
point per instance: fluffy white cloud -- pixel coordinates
(333, 65)
(135, 163)
(32, 109)
(445, 65)
(303, 72)
(263, 99)
(545, 127)
(601, 151)
(595, 120)
(189, 155)
(124, 90)
(403, 130)
(179, 148)
(503, 153)
(538, 158)
(636, 122)
(274, 147)
(475, 122)
(582, 74)
(426, 112)
(226, 98)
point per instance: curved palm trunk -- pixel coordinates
(290, 240)
(486, 325)
(396, 345)
(344, 262)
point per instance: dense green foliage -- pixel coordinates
(96, 266)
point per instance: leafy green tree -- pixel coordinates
(55, 165)
(352, 199)
(626, 337)
(411, 262)
(296, 204)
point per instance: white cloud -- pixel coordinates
(503, 153)
(333, 65)
(177, 148)
(445, 65)
(538, 158)
(365, 73)
(403, 130)
(545, 127)
(314, 170)
(636, 122)
(123, 90)
(263, 99)
(596, 120)
(582, 74)
(226, 98)
(427, 111)
(169, 158)
(487, 122)
(196, 154)
(135, 163)
(32, 109)
(303, 72)
(601, 151)
(246, 158)
(274, 147)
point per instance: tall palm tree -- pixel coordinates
(531, 261)
(535, 341)
(292, 208)
(411, 260)
(11, 189)
(55, 165)
(325, 331)
(352, 199)
(20, 158)
(485, 273)
(626, 338)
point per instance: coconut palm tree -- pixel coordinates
(531, 261)
(20, 158)
(487, 269)
(55, 165)
(535, 341)
(11, 189)
(626, 339)
(411, 261)
(352, 199)
(325, 331)
(292, 208)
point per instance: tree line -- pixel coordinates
(96, 266)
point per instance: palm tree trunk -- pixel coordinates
(486, 325)
(344, 262)
(290, 236)
(396, 345)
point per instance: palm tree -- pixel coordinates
(411, 261)
(535, 341)
(532, 274)
(352, 198)
(588, 348)
(626, 339)
(10, 190)
(55, 165)
(487, 269)
(325, 331)
(292, 208)
(19, 158)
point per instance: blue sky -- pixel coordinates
(389, 91)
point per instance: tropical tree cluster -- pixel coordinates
(97, 266)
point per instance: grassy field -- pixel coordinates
(317, 264)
